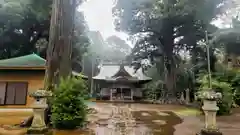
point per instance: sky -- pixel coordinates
(98, 15)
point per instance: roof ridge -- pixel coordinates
(30, 60)
(12, 58)
(38, 56)
(24, 56)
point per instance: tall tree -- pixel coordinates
(116, 45)
(59, 49)
(20, 28)
(229, 39)
(25, 27)
(165, 27)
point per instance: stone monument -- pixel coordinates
(38, 125)
(187, 100)
(210, 109)
(182, 99)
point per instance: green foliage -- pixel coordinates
(228, 37)
(231, 76)
(163, 28)
(223, 87)
(153, 89)
(226, 103)
(185, 77)
(188, 18)
(236, 85)
(237, 96)
(68, 108)
(24, 29)
(116, 46)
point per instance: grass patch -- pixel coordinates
(188, 111)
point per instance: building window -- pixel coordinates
(13, 93)
(2, 92)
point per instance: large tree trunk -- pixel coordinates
(59, 49)
(168, 41)
(170, 80)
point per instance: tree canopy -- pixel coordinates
(116, 45)
(24, 29)
(164, 28)
(229, 38)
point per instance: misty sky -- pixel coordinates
(98, 15)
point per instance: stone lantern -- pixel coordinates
(40, 104)
(210, 109)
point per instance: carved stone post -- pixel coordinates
(182, 99)
(111, 94)
(210, 110)
(38, 124)
(187, 100)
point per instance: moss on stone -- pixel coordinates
(44, 131)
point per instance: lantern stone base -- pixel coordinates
(209, 132)
(43, 130)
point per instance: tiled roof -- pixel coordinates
(108, 71)
(31, 60)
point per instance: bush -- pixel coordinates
(237, 96)
(68, 108)
(225, 88)
(236, 85)
(232, 76)
(225, 103)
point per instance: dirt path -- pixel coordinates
(228, 125)
(190, 124)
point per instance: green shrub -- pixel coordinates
(223, 87)
(232, 76)
(236, 85)
(237, 96)
(68, 108)
(225, 103)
